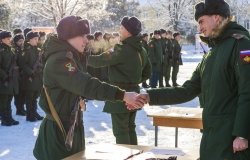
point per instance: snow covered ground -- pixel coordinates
(17, 142)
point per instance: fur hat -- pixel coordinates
(31, 35)
(18, 37)
(5, 34)
(25, 31)
(212, 7)
(157, 32)
(97, 34)
(72, 26)
(176, 34)
(132, 25)
(17, 31)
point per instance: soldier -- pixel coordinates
(155, 54)
(145, 45)
(19, 102)
(8, 78)
(128, 66)
(173, 59)
(65, 83)
(223, 81)
(31, 65)
(163, 44)
(168, 58)
(177, 60)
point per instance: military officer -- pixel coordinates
(223, 81)
(145, 45)
(65, 83)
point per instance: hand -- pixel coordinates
(145, 97)
(133, 100)
(239, 144)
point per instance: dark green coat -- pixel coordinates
(155, 54)
(168, 57)
(8, 71)
(128, 66)
(65, 80)
(176, 53)
(223, 80)
(31, 75)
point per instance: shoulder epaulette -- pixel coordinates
(69, 55)
(238, 36)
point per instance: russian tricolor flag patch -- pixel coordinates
(245, 56)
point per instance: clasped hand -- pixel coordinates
(135, 101)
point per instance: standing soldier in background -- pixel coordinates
(31, 65)
(128, 67)
(8, 79)
(168, 57)
(65, 83)
(155, 54)
(177, 60)
(163, 44)
(144, 42)
(18, 42)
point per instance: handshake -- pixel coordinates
(135, 101)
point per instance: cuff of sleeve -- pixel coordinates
(119, 95)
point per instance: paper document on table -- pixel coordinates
(110, 152)
(167, 152)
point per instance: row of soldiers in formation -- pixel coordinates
(21, 66)
(162, 47)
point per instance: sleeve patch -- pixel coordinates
(245, 56)
(70, 67)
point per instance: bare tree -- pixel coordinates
(54, 10)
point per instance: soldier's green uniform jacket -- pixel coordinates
(155, 54)
(128, 65)
(65, 80)
(8, 71)
(32, 77)
(223, 80)
(168, 57)
(176, 53)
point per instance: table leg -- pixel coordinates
(176, 137)
(156, 135)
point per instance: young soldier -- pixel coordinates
(31, 65)
(176, 57)
(128, 66)
(168, 57)
(144, 42)
(65, 83)
(18, 42)
(223, 81)
(155, 54)
(8, 79)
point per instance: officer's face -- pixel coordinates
(7, 41)
(207, 24)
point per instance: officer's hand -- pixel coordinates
(133, 100)
(240, 144)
